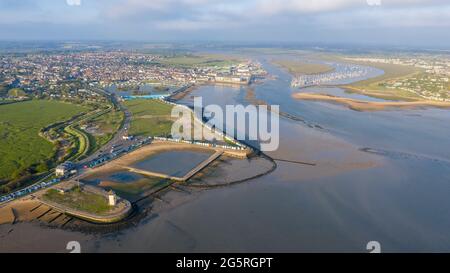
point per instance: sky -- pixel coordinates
(391, 22)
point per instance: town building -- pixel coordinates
(64, 169)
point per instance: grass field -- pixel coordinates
(374, 87)
(200, 60)
(297, 67)
(79, 200)
(23, 151)
(150, 117)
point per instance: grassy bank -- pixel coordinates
(81, 141)
(297, 67)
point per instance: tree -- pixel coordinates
(42, 167)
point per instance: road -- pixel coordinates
(117, 139)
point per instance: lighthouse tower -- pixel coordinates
(112, 198)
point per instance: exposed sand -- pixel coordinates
(6, 216)
(360, 105)
(21, 210)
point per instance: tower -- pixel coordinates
(112, 198)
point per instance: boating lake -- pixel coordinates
(173, 163)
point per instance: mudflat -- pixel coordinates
(21, 210)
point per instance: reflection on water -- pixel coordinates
(174, 163)
(119, 176)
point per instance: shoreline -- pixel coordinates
(377, 94)
(366, 106)
(142, 153)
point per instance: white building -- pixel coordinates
(127, 137)
(64, 169)
(112, 198)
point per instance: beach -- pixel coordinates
(361, 105)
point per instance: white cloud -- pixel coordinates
(396, 17)
(184, 24)
(274, 7)
(234, 14)
(73, 2)
(248, 8)
(185, 15)
(374, 2)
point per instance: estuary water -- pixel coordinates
(379, 176)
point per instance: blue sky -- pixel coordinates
(396, 22)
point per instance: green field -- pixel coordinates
(297, 67)
(200, 61)
(150, 117)
(375, 87)
(79, 200)
(23, 152)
